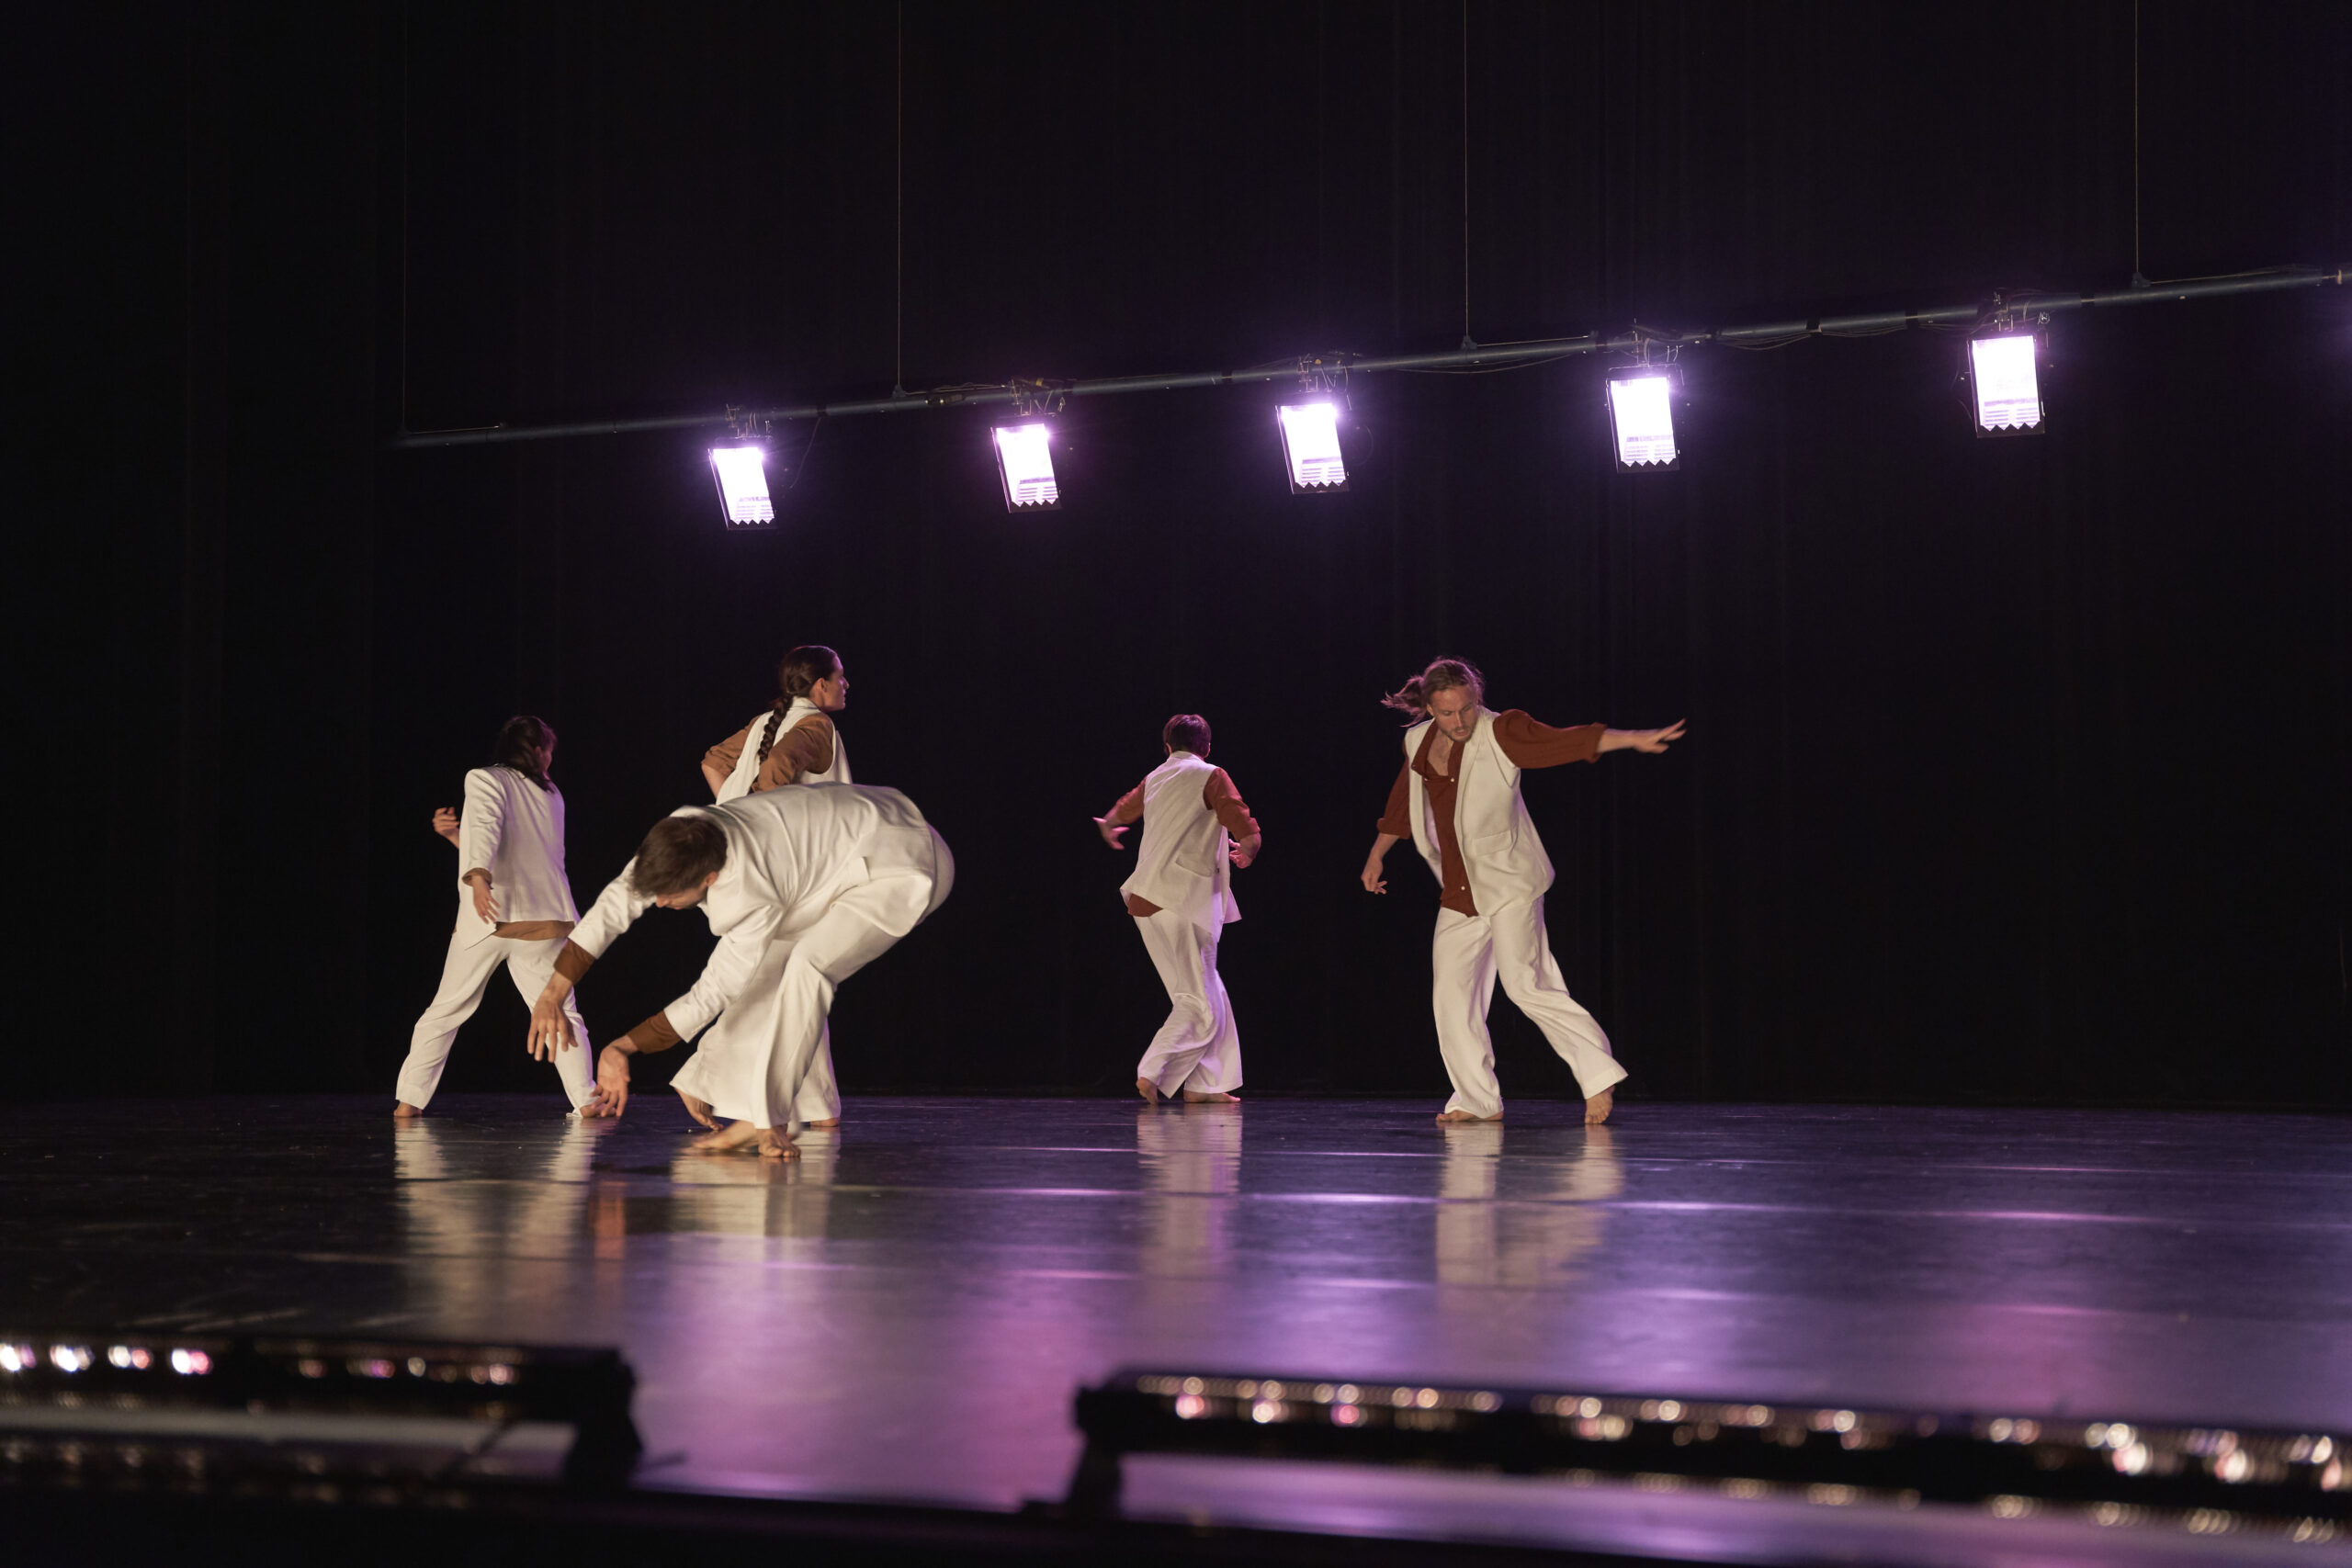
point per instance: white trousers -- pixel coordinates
(1198, 1048)
(747, 1025)
(757, 1071)
(1469, 954)
(464, 975)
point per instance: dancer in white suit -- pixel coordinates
(796, 741)
(1457, 799)
(1196, 831)
(515, 907)
(831, 876)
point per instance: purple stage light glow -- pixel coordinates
(1311, 449)
(1027, 467)
(743, 485)
(2008, 393)
(1641, 420)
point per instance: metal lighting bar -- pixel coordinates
(1490, 356)
(2210, 1480)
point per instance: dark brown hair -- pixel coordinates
(796, 677)
(676, 856)
(1186, 732)
(1442, 675)
(519, 740)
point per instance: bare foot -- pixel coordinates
(405, 1111)
(776, 1146)
(1453, 1116)
(1596, 1108)
(1149, 1089)
(697, 1109)
(741, 1135)
(826, 1125)
(1193, 1097)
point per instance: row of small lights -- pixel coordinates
(189, 1362)
(2004, 380)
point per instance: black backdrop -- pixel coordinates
(2017, 769)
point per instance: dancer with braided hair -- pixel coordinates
(514, 908)
(795, 742)
(1457, 799)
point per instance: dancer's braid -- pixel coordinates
(767, 732)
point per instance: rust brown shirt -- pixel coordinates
(805, 747)
(1526, 743)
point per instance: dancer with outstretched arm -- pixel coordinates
(1457, 799)
(1196, 833)
(514, 908)
(803, 888)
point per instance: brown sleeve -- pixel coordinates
(1397, 821)
(1219, 795)
(805, 747)
(654, 1034)
(1129, 809)
(721, 759)
(1533, 745)
(574, 962)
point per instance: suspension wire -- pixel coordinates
(1467, 341)
(898, 354)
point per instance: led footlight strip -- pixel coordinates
(2206, 1479)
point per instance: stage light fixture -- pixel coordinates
(1026, 465)
(2005, 383)
(1311, 447)
(1641, 419)
(741, 471)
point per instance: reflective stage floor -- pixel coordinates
(905, 1312)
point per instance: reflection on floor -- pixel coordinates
(906, 1310)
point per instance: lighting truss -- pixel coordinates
(1026, 465)
(1641, 419)
(741, 470)
(1311, 447)
(2005, 383)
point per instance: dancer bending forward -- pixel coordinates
(1195, 832)
(514, 909)
(796, 741)
(1457, 799)
(803, 888)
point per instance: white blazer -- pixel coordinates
(513, 830)
(1180, 864)
(747, 766)
(1501, 851)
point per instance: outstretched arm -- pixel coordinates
(1650, 740)
(1113, 824)
(616, 909)
(719, 760)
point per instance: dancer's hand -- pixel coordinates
(1373, 881)
(1650, 740)
(551, 1030)
(1246, 851)
(445, 822)
(485, 900)
(1113, 833)
(612, 1077)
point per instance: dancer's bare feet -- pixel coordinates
(744, 1136)
(1193, 1096)
(1596, 1108)
(697, 1109)
(404, 1111)
(1149, 1089)
(1450, 1117)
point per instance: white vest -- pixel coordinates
(747, 766)
(1501, 851)
(1181, 863)
(513, 830)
